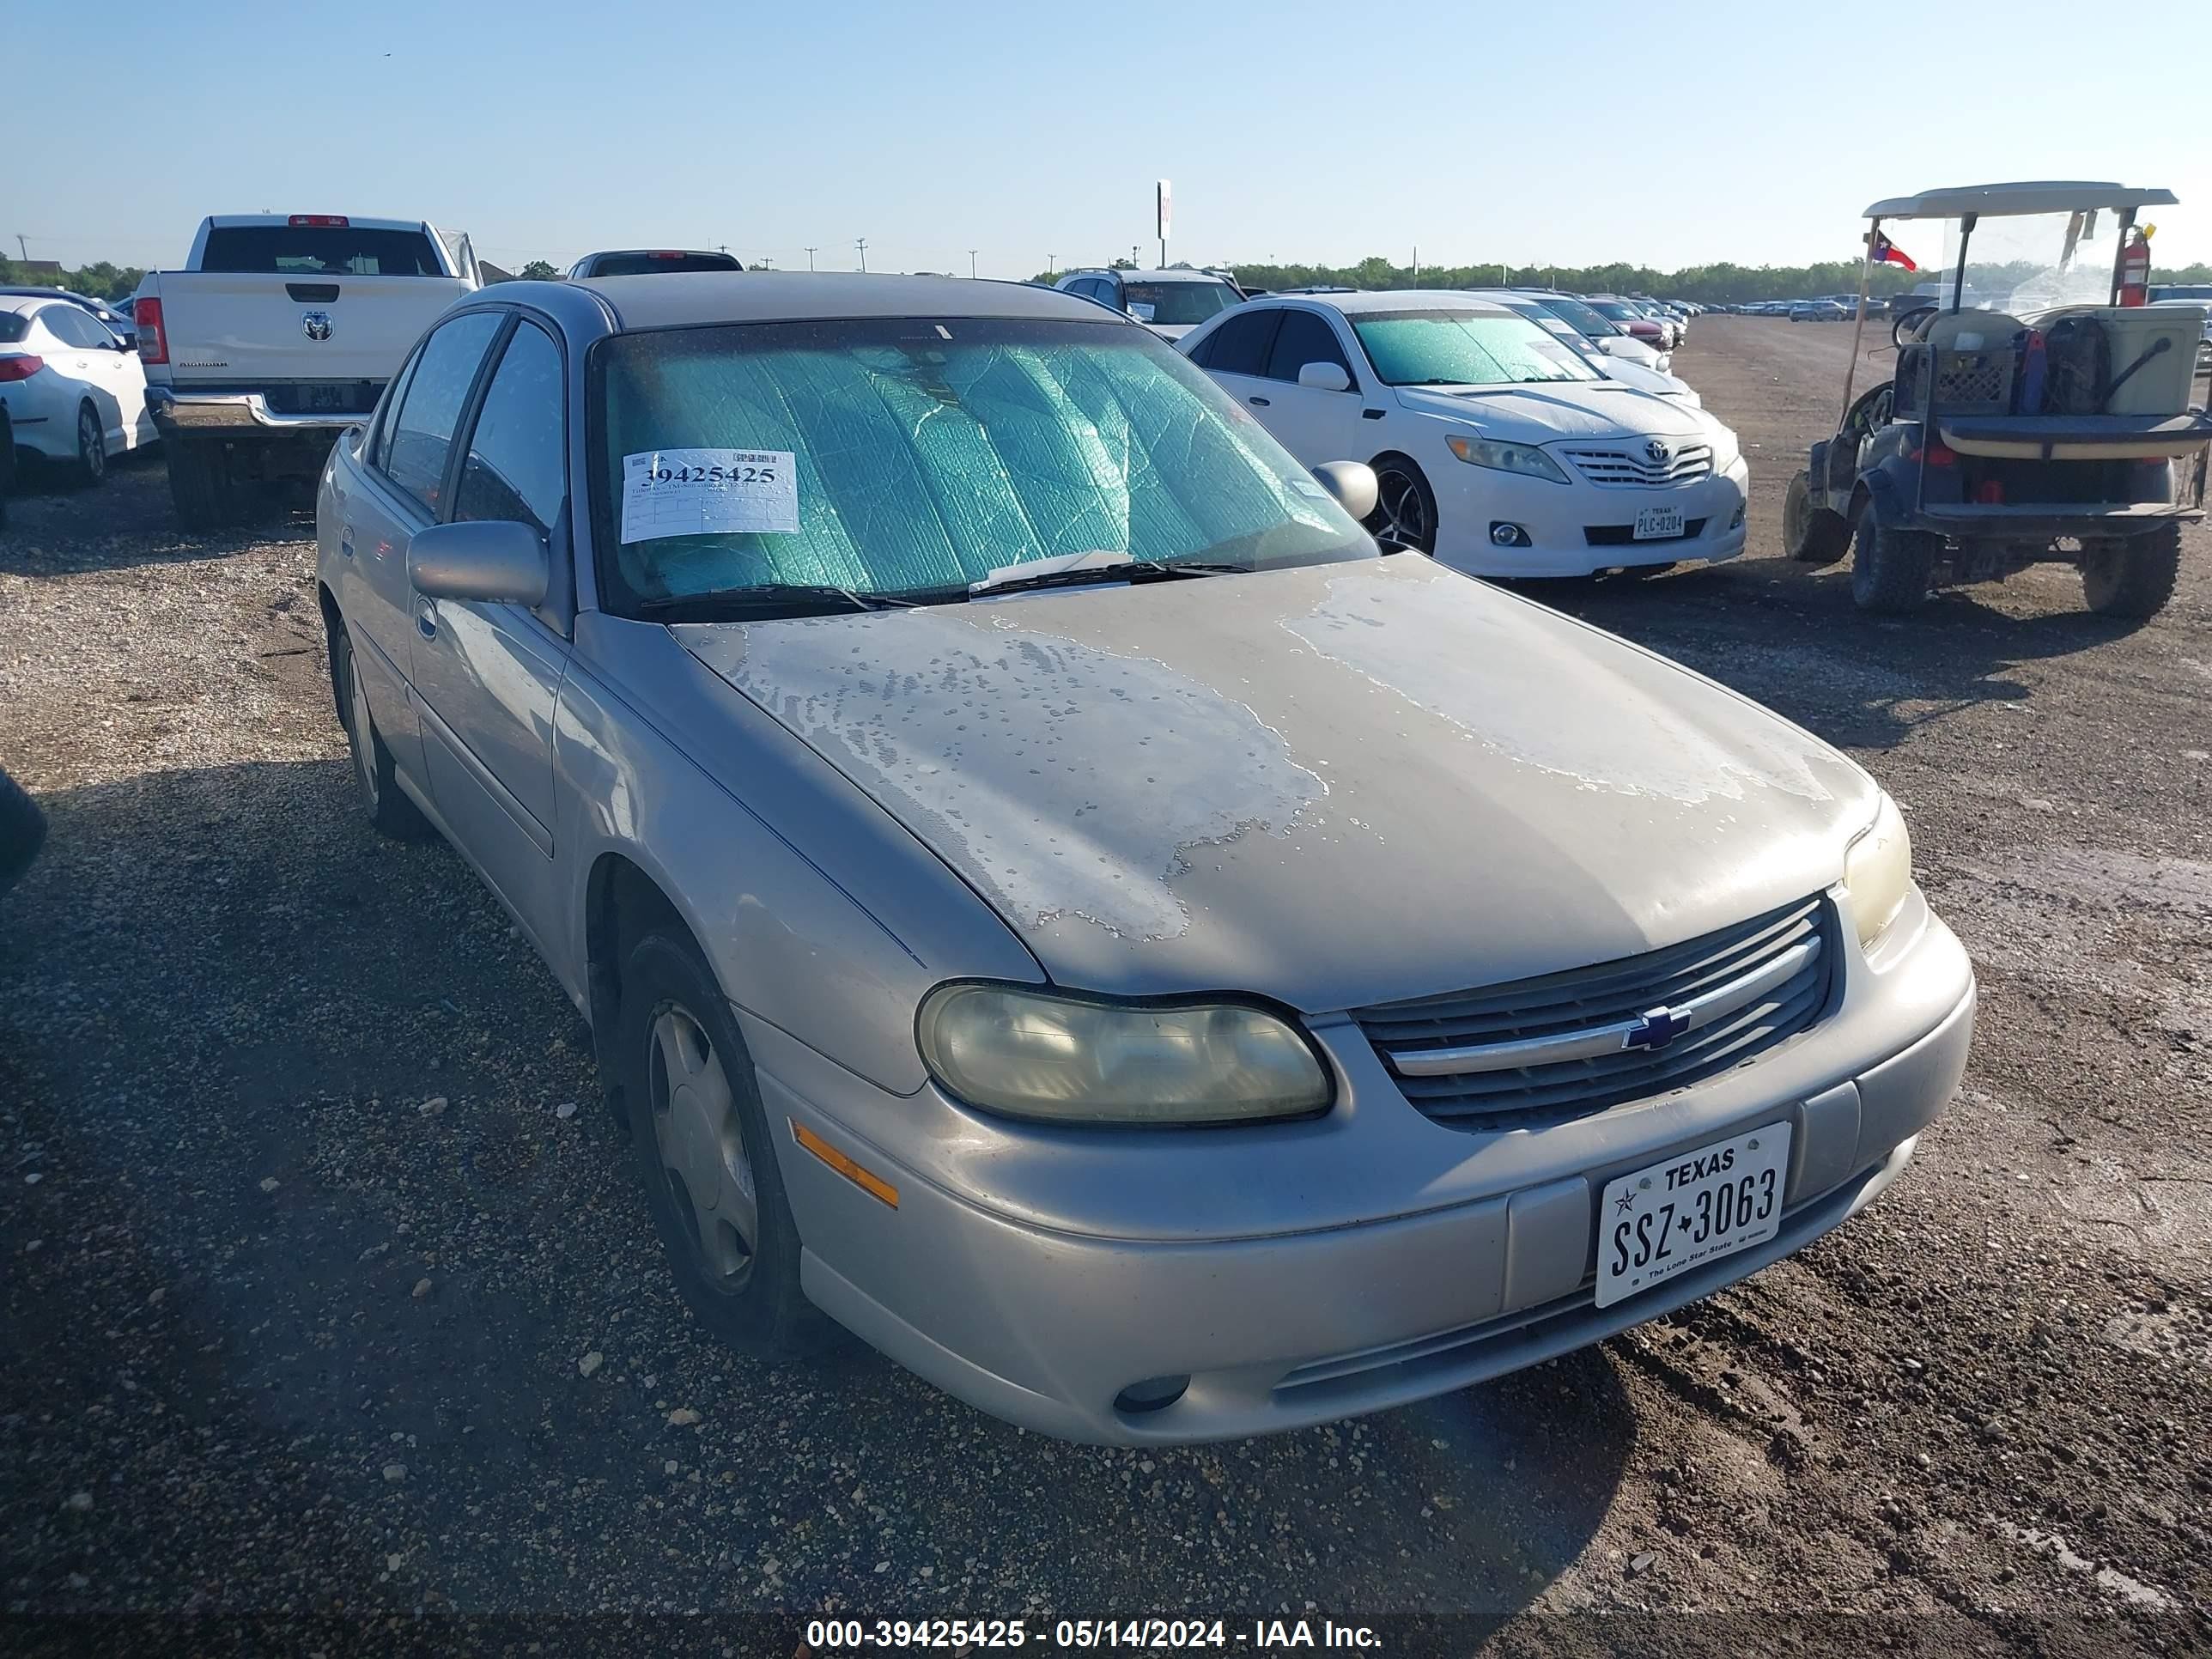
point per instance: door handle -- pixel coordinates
(1257, 403)
(426, 617)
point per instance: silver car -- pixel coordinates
(1051, 898)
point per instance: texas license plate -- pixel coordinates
(1692, 1210)
(1656, 523)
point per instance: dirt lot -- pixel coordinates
(312, 1298)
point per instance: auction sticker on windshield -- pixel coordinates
(1693, 1209)
(708, 492)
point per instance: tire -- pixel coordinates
(1810, 534)
(390, 812)
(1405, 512)
(89, 469)
(696, 1123)
(2133, 577)
(1890, 568)
(200, 485)
(7, 465)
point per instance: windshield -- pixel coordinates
(1178, 303)
(1594, 324)
(908, 459)
(320, 251)
(1463, 348)
(657, 264)
(2024, 263)
(1619, 311)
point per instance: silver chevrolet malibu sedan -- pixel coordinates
(1050, 897)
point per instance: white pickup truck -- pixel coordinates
(279, 333)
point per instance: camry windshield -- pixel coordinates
(1463, 348)
(905, 460)
(1178, 303)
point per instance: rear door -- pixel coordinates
(487, 676)
(394, 486)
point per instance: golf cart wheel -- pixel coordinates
(2133, 577)
(1405, 512)
(1810, 534)
(1890, 568)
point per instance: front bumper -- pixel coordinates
(986, 1279)
(1562, 520)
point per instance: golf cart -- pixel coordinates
(2039, 412)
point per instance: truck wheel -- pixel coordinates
(200, 484)
(1890, 568)
(1810, 534)
(2134, 577)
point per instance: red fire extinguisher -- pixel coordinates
(2134, 269)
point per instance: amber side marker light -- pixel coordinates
(875, 1186)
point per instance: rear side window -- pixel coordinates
(1241, 346)
(74, 327)
(514, 468)
(14, 325)
(320, 251)
(422, 436)
(657, 264)
(1304, 338)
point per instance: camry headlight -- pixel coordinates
(1878, 871)
(1524, 458)
(1073, 1060)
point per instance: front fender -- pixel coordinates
(817, 911)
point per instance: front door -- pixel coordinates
(1314, 424)
(487, 676)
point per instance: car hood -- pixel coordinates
(1332, 785)
(1571, 409)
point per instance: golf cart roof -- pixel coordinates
(2036, 196)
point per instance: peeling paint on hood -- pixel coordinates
(1033, 763)
(1334, 784)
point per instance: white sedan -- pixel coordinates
(72, 392)
(1496, 450)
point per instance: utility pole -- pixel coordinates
(23, 248)
(861, 243)
(1502, 282)
(1417, 264)
(971, 263)
(1052, 264)
(1133, 256)
(810, 258)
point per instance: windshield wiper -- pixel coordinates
(765, 600)
(1092, 575)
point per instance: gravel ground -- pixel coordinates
(315, 1297)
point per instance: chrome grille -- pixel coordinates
(1632, 467)
(1549, 1049)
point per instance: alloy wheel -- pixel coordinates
(1404, 515)
(91, 445)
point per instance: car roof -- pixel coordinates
(1407, 298)
(1180, 274)
(353, 222)
(678, 299)
(687, 252)
(2034, 196)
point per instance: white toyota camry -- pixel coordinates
(1496, 449)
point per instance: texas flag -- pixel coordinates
(1886, 252)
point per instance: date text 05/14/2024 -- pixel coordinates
(1261, 1636)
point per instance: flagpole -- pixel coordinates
(1858, 330)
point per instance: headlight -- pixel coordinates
(1070, 1060)
(1878, 871)
(1528, 461)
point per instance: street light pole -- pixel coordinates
(810, 258)
(861, 243)
(971, 263)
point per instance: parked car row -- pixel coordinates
(71, 390)
(837, 679)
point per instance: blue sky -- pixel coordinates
(1531, 133)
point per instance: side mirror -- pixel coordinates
(1352, 482)
(496, 561)
(1325, 377)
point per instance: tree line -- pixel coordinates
(1720, 284)
(102, 281)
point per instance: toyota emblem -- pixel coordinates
(1656, 450)
(316, 325)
